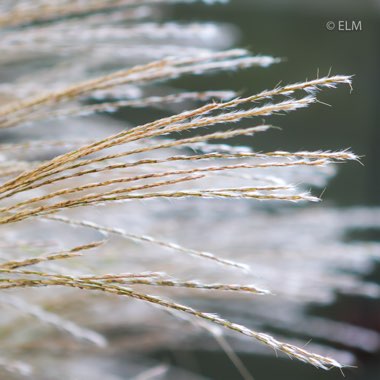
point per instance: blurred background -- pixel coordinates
(296, 31)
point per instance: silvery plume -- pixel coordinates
(122, 237)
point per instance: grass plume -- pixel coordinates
(68, 182)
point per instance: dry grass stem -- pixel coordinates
(145, 180)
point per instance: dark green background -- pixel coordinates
(297, 32)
